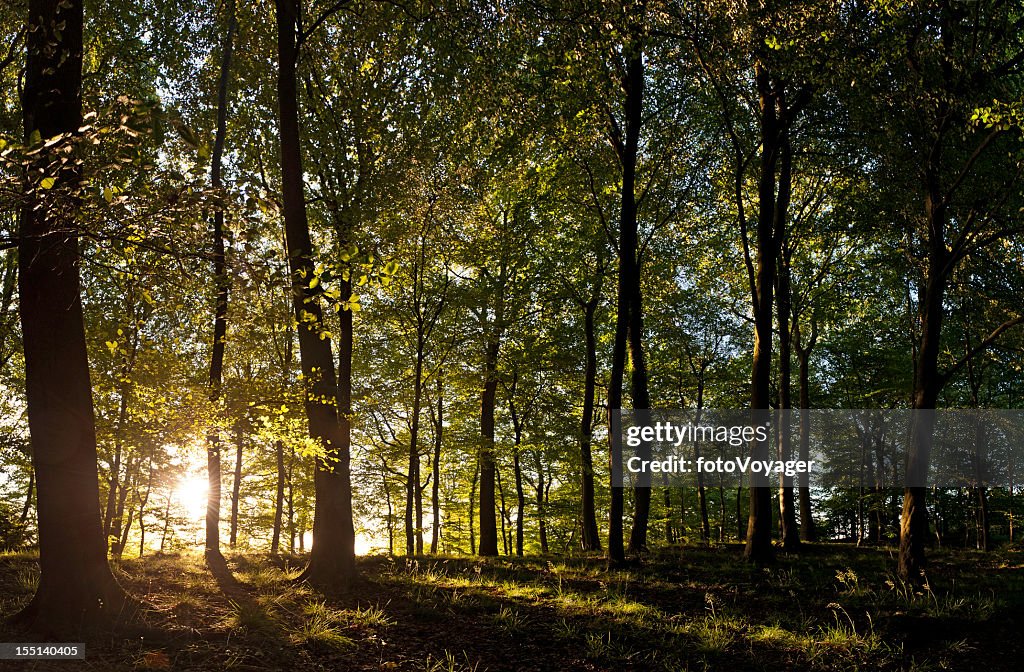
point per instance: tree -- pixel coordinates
(222, 283)
(332, 558)
(956, 111)
(76, 586)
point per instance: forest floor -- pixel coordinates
(832, 607)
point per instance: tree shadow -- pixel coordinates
(249, 613)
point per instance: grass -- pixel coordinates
(686, 608)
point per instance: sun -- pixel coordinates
(191, 495)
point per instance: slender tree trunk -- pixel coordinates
(142, 511)
(590, 539)
(787, 505)
(520, 497)
(275, 540)
(721, 511)
(503, 512)
(291, 504)
(29, 492)
(628, 289)
(119, 531)
(332, 557)
(638, 378)
(114, 477)
(667, 498)
(435, 495)
(541, 509)
(76, 586)
(167, 525)
(222, 283)
(472, 499)
(702, 500)
(740, 531)
(413, 533)
(808, 532)
(236, 486)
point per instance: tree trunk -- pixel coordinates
(667, 498)
(541, 509)
(76, 586)
(236, 485)
(472, 499)
(787, 505)
(275, 540)
(488, 524)
(167, 525)
(808, 532)
(435, 495)
(114, 478)
(590, 539)
(702, 500)
(29, 492)
(759, 524)
(332, 557)
(413, 533)
(291, 504)
(638, 362)
(927, 385)
(628, 289)
(520, 497)
(222, 283)
(740, 531)
(503, 513)
(142, 511)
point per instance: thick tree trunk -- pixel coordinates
(332, 557)
(76, 587)
(488, 524)
(927, 385)
(759, 523)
